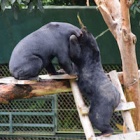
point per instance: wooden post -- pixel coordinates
(125, 114)
(87, 126)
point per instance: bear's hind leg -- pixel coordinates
(50, 69)
(100, 116)
(29, 70)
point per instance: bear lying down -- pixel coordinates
(93, 82)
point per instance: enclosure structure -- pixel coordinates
(61, 122)
(48, 117)
(12, 89)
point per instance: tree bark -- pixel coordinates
(117, 18)
(10, 92)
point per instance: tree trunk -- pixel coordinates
(117, 18)
(10, 92)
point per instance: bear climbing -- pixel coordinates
(93, 82)
(35, 51)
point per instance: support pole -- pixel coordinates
(125, 114)
(87, 126)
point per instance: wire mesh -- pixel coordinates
(33, 116)
(43, 138)
(68, 119)
(65, 117)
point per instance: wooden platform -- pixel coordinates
(10, 89)
(12, 80)
(124, 107)
(127, 136)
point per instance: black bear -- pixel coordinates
(36, 50)
(93, 82)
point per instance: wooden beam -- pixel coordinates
(128, 136)
(57, 77)
(86, 124)
(10, 92)
(126, 114)
(125, 106)
(12, 80)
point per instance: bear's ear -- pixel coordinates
(75, 50)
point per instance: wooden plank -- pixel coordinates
(57, 77)
(47, 77)
(84, 110)
(127, 136)
(86, 124)
(125, 106)
(126, 114)
(12, 80)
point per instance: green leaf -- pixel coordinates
(12, 1)
(19, 1)
(40, 6)
(134, 10)
(28, 1)
(138, 3)
(132, 7)
(15, 9)
(3, 4)
(138, 9)
(30, 6)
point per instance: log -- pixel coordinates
(11, 89)
(27, 89)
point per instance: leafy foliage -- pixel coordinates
(16, 5)
(30, 4)
(135, 8)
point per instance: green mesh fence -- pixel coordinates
(43, 138)
(28, 116)
(44, 118)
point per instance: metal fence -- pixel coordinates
(45, 118)
(42, 138)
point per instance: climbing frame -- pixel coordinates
(60, 83)
(124, 107)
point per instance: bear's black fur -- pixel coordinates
(36, 50)
(93, 82)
